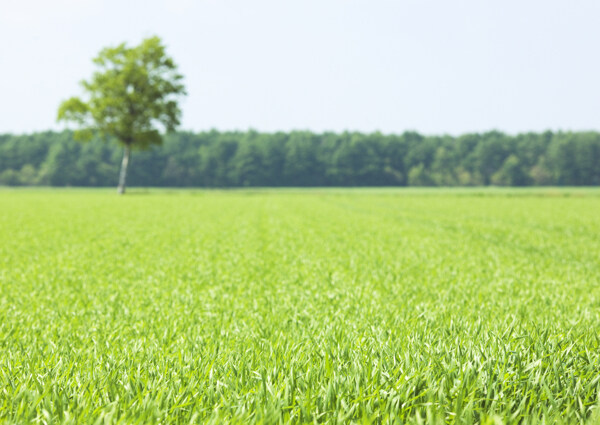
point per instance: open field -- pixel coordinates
(327, 306)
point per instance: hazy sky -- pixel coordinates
(435, 66)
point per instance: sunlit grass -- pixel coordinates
(327, 306)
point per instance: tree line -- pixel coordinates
(302, 158)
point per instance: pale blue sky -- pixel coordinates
(435, 66)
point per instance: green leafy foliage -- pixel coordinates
(130, 97)
(307, 306)
(300, 158)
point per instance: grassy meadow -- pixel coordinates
(301, 306)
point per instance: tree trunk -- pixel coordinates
(123, 173)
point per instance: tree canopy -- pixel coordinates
(131, 97)
(300, 158)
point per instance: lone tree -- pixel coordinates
(131, 98)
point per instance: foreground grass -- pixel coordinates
(301, 306)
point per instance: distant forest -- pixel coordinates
(242, 159)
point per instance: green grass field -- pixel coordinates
(307, 306)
